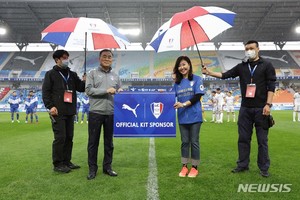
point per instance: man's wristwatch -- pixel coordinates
(184, 104)
(269, 104)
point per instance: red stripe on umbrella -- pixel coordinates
(62, 25)
(102, 41)
(191, 13)
(186, 33)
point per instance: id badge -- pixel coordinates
(250, 91)
(68, 96)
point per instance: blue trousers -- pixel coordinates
(190, 141)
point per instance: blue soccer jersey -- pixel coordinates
(184, 92)
(14, 102)
(85, 104)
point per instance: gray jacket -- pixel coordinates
(97, 83)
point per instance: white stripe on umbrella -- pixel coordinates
(209, 20)
(93, 27)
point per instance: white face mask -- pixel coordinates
(64, 64)
(250, 54)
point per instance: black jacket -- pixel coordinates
(264, 77)
(54, 87)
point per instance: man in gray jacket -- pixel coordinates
(101, 85)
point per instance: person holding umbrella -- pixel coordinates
(257, 82)
(59, 96)
(188, 89)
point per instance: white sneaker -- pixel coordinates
(87, 122)
(18, 121)
(81, 122)
(26, 122)
(12, 121)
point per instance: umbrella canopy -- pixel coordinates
(190, 27)
(88, 33)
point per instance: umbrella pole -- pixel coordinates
(85, 40)
(196, 43)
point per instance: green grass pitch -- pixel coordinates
(26, 169)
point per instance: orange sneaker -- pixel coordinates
(184, 171)
(193, 173)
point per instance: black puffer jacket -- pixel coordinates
(54, 87)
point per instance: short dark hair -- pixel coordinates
(105, 50)
(214, 92)
(218, 89)
(59, 53)
(251, 42)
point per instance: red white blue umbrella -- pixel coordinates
(190, 27)
(70, 32)
(82, 32)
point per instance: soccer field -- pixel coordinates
(147, 169)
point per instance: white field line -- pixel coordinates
(152, 186)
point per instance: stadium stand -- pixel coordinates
(26, 61)
(27, 74)
(4, 73)
(23, 71)
(283, 96)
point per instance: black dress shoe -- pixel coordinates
(72, 166)
(239, 169)
(91, 175)
(264, 174)
(110, 172)
(62, 169)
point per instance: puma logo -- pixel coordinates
(32, 61)
(133, 110)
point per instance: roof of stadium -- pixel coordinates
(261, 20)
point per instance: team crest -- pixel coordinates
(191, 83)
(157, 109)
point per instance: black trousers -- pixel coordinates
(96, 121)
(249, 117)
(62, 145)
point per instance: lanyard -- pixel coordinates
(251, 71)
(65, 79)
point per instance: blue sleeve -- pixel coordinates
(198, 86)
